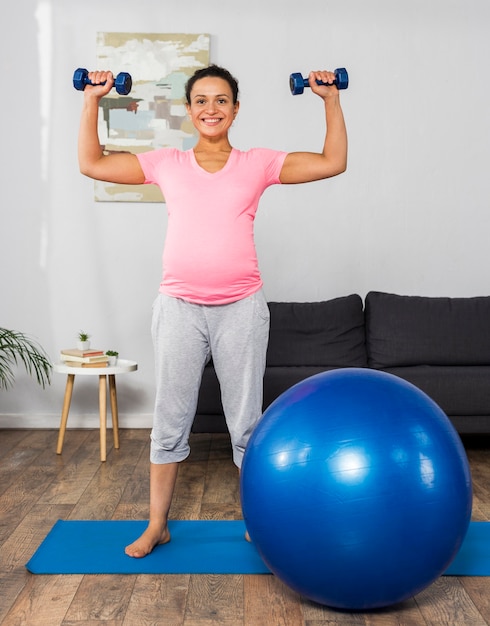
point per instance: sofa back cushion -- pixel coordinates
(329, 333)
(417, 330)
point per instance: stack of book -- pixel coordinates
(84, 358)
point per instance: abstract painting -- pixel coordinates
(153, 114)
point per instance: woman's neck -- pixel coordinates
(206, 144)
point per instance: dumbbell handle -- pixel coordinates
(297, 83)
(122, 82)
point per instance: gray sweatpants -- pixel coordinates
(185, 336)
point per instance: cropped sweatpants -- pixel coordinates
(185, 337)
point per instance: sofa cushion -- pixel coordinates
(459, 390)
(279, 379)
(417, 330)
(329, 333)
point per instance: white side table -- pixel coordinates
(107, 375)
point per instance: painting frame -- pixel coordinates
(153, 114)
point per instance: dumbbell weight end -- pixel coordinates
(123, 82)
(297, 83)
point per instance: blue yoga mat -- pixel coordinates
(197, 547)
(473, 558)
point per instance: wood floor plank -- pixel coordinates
(191, 480)
(212, 622)
(158, 600)
(91, 622)
(137, 489)
(22, 495)
(480, 476)
(222, 483)
(102, 495)
(134, 503)
(11, 439)
(15, 459)
(406, 614)
(28, 535)
(446, 601)
(215, 598)
(39, 440)
(131, 512)
(76, 470)
(268, 601)
(200, 447)
(189, 490)
(12, 455)
(229, 511)
(43, 601)
(14, 463)
(478, 589)
(101, 597)
(220, 448)
(481, 510)
(16, 583)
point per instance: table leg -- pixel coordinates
(115, 416)
(103, 416)
(65, 410)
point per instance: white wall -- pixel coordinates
(409, 216)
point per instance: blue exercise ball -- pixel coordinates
(356, 489)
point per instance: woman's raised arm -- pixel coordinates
(304, 167)
(114, 168)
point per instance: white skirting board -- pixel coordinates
(91, 420)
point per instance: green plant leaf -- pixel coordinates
(16, 348)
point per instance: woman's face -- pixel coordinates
(211, 108)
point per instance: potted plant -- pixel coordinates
(17, 347)
(83, 340)
(112, 354)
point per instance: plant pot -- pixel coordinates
(112, 361)
(83, 345)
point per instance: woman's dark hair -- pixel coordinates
(216, 72)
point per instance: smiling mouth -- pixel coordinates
(212, 120)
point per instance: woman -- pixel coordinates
(210, 301)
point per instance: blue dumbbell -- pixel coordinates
(123, 81)
(297, 83)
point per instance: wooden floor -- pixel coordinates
(37, 487)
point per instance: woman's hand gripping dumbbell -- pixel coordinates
(297, 83)
(123, 81)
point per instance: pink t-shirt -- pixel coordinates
(209, 255)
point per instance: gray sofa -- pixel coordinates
(441, 345)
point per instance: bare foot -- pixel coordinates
(148, 540)
(247, 537)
